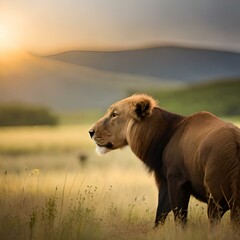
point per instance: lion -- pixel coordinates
(196, 155)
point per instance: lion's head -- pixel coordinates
(111, 131)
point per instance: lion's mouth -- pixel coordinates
(108, 145)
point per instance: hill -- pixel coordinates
(221, 98)
(170, 63)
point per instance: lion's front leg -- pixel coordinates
(179, 195)
(163, 204)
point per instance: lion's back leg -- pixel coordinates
(217, 195)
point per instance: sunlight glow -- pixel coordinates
(10, 35)
(8, 41)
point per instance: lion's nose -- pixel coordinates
(91, 133)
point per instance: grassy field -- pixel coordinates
(54, 186)
(221, 98)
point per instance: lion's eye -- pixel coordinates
(114, 114)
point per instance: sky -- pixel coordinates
(48, 26)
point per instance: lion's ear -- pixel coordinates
(143, 107)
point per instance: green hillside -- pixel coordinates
(221, 98)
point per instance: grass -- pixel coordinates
(47, 192)
(59, 139)
(60, 206)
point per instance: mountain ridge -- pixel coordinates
(131, 49)
(169, 62)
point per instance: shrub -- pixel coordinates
(26, 115)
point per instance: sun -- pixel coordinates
(10, 50)
(8, 41)
(10, 33)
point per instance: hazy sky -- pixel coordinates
(43, 26)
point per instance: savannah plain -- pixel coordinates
(53, 185)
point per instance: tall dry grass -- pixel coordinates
(83, 205)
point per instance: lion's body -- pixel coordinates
(197, 155)
(207, 153)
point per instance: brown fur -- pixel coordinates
(197, 155)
